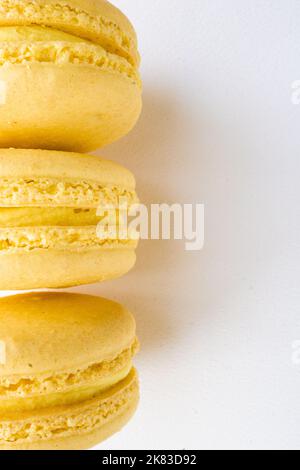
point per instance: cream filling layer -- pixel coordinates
(23, 44)
(63, 398)
(73, 420)
(26, 239)
(47, 216)
(36, 33)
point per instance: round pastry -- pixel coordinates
(51, 205)
(69, 75)
(66, 375)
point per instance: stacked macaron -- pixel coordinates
(68, 380)
(69, 82)
(69, 75)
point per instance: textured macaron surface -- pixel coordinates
(46, 202)
(95, 20)
(67, 366)
(39, 177)
(74, 427)
(28, 44)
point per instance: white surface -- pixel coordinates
(218, 127)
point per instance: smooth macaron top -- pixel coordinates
(96, 20)
(44, 334)
(24, 163)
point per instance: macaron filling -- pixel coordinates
(23, 44)
(36, 33)
(42, 213)
(58, 228)
(72, 420)
(61, 238)
(76, 395)
(47, 216)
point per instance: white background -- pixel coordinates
(219, 128)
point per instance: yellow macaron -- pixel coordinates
(69, 76)
(66, 374)
(51, 204)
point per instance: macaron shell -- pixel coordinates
(84, 425)
(60, 269)
(24, 163)
(46, 334)
(67, 107)
(80, 442)
(84, 441)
